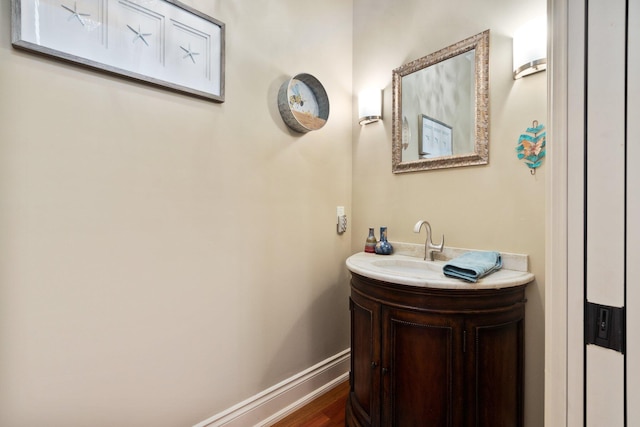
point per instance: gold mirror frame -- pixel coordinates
(480, 155)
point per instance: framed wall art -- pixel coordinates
(160, 42)
(303, 103)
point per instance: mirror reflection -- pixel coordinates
(440, 114)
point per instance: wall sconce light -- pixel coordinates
(530, 48)
(369, 106)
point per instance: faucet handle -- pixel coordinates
(440, 246)
(430, 248)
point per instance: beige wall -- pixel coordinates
(163, 258)
(495, 207)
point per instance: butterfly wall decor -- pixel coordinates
(532, 149)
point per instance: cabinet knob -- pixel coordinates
(384, 371)
(374, 365)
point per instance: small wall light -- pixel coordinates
(530, 48)
(369, 106)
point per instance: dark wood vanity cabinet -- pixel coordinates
(435, 357)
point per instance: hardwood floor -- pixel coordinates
(325, 411)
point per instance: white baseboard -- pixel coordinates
(275, 403)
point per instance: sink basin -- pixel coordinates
(414, 271)
(413, 266)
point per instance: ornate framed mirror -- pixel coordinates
(441, 108)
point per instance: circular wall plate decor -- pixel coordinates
(303, 103)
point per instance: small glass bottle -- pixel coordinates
(370, 245)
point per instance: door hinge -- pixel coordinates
(605, 326)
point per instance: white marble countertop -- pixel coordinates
(406, 266)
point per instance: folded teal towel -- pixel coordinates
(471, 266)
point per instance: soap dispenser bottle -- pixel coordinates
(370, 245)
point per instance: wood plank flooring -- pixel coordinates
(326, 410)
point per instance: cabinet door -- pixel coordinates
(365, 359)
(421, 371)
(494, 368)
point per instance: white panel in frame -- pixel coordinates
(436, 138)
(162, 42)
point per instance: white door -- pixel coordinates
(594, 238)
(633, 215)
(612, 205)
(605, 201)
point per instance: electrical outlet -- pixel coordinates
(342, 224)
(342, 220)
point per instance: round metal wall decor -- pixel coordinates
(303, 103)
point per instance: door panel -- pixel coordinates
(605, 152)
(419, 362)
(495, 372)
(365, 357)
(574, 222)
(633, 214)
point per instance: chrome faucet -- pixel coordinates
(429, 247)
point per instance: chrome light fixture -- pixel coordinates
(369, 106)
(530, 48)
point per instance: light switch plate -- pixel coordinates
(606, 326)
